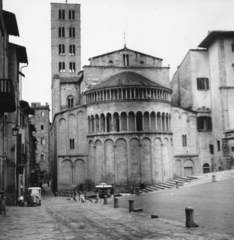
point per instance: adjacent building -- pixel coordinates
(15, 134)
(204, 83)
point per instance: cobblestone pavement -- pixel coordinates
(59, 218)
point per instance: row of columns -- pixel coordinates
(105, 123)
(127, 93)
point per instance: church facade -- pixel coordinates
(118, 120)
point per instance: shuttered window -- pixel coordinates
(204, 124)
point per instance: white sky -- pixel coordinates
(166, 29)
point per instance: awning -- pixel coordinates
(10, 23)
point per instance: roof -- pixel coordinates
(124, 49)
(10, 23)
(126, 79)
(21, 53)
(212, 36)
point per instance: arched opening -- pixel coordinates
(102, 124)
(123, 119)
(153, 121)
(97, 123)
(70, 101)
(108, 123)
(146, 122)
(116, 122)
(139, 121)
(131, 121)
(206, 168)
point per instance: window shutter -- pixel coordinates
(207, 81)
(198, 123)
(198, 86)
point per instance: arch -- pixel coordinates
(81, 132)
(62, 139)
(146, 121)
(97, 123)
(109, 126)
(110, 62)
(146, 161)
(92, 124)
(123, 118)
(157, 160)
(99, 161)
(188, 167)
(131, 120)
(66, 172)
(134, 161)
(116, 122)
(79, 171)
(102, 123)
(139, 123)
(206, 168)
(109, 162)
(159, 122)
(153, 121)
(121, 161)
(91, 161)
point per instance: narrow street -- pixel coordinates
(59, 218)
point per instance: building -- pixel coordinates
(41, 122)
(204, 83)
(15, 136)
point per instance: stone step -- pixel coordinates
(165, 185)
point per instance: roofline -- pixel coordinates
(125, 48)
(21, 53)
(210, 38)
(189, 110)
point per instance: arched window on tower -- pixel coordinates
(71, 15)
(61, 14)
(70, 101)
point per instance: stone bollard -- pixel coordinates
(116, 203)
(189, 218)
(131, 205)
(177, 184)
(213, 178)
(97, 198)
(105, 200)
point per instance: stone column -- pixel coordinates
(121, 93)
(95, 129)
(156, 120)
(130, 93)
(135, 121)
(120, 125)
(105, 130)
(134, 93)
(162, 162)
(149, 121)
(143, 122)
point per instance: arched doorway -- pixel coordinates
(188, 168)
(206, 168)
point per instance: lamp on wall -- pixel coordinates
(15, 130)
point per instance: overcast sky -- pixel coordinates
(166, 29)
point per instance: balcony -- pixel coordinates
(7, 96)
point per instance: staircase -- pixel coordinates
(168, 184)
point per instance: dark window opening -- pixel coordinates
(61, 66)
(42, 141)
(184, 140)
(202, 83)
(72, 50)
(72, 143)
(125, 59)
(61, 49)
(72, 32)
(72, 67)
(204, 124)
(206, 168)
(211, 149)
(107, 124)
(70, 102)
(42, 157)
(71, 15)
(61, 32)
(61, 14)
(139, 122)
(42, 127)
(218, 145)
(117, 125)
(141, 62)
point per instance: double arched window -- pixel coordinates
(70, 101)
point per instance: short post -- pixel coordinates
(131, 205)
(116, 203)
(56, 194)
(97, 198)
(138, 191)
(189, 218)
(213, 178)
(177, 184)
(105, 200)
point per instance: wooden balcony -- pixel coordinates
(7, 96)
